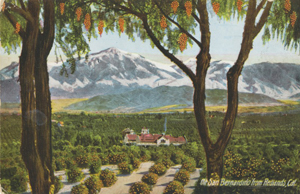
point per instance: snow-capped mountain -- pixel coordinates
(10, 72)
(113, 71)
(276, 80)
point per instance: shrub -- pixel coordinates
(104, 159)
(189, 164)
(177, 156)
(200, 161)
(79, 189)
(5, 184)
(18, 182)
(182, 176)
(82, 161)
(60, 163)
(125, 168)
(74, 175)
(97, 140)
(108, 177)
(135, 151)
(145, 155)
(95, 165)
(159, 169)
(144, 158)
(70, 163)
(98, 149)
(8, 172)
(155, 156)
(139, 188)
(61, 144)
(57, 184)
(167, 162)
(174, 187)
(115, 158)
(150, 178)
(136, 163)
(94, 184)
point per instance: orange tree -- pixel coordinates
(171, 24)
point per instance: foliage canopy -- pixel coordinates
(168, 21)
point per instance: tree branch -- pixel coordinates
(260, 6)
(204, 25)
(196, 18)
(138, 14)
(174, 59)
(25, 14)
(178, 25)
(122, 7)
(13, 22)
(263, 18)
(48, 36)
(250, 32)
(22, 5)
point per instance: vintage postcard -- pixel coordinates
(149, 96)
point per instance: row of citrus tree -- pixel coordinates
(106, 178)
(160, 167)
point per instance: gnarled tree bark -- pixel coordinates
(35, 95)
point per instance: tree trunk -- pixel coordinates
(29, 150)
(36, 122)
(214, 161)
(35, 100)
(214, 151)
(43, 107)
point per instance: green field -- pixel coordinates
(271, 141)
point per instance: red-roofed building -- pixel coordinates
(147, 139)
(130, 138)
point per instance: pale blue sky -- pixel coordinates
(226, 39)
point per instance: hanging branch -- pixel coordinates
(196, 18)
(204, 24)
(260, 6)
(14, 22)
(263, 18)
(25, 14)
(22, 5)
(48, 25)
(179, 26)
(174, 59)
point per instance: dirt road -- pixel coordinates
(164, 180)
(125, 181)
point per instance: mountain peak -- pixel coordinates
(114, 50)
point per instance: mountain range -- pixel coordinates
(141, 99)
(116, 72)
